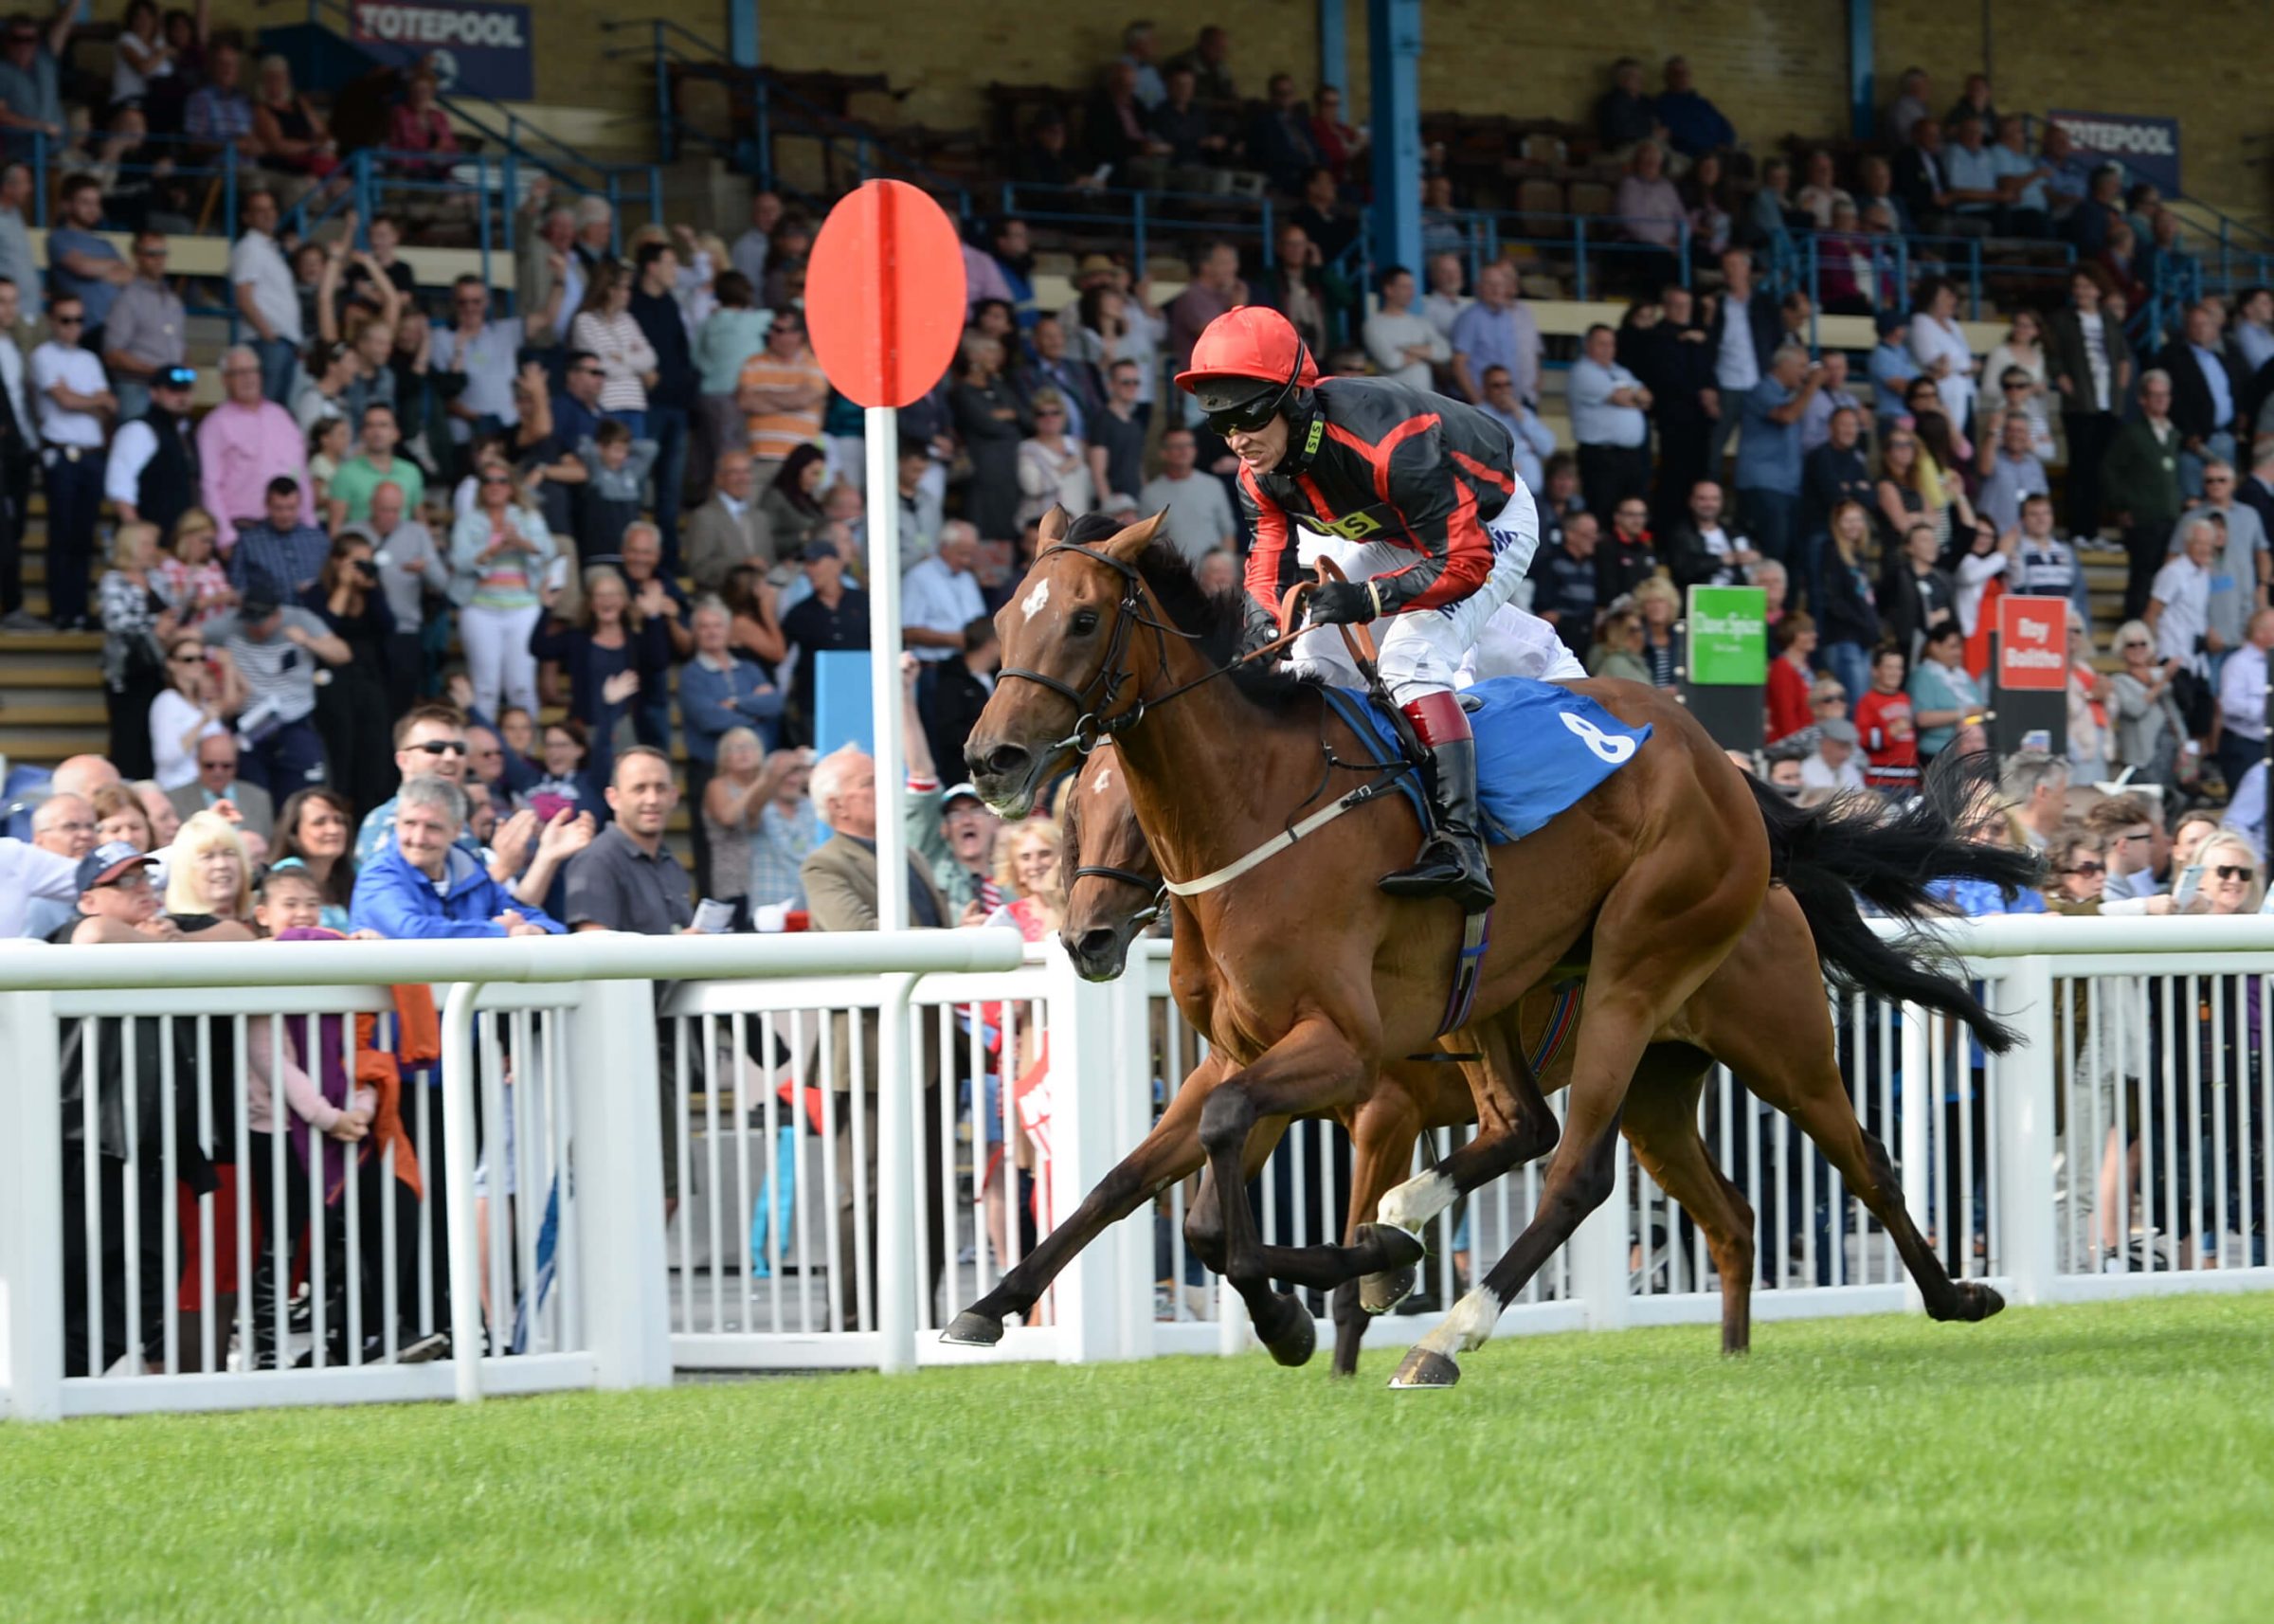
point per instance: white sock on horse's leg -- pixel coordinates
(1469, 1326)
(1413, 1203)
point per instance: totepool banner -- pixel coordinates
(482, 49)
(1728, 636)
(2147, 147)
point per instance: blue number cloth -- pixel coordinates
(1539, 748)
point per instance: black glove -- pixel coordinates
(1341, 603)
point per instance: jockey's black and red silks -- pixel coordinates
(1391, 464)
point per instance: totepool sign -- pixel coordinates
(1728, 636)
(482, 49)
(2147, 147)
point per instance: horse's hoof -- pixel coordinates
(1397, 1248)
(1295, 1343)
(1977, 1301)
(1379, 1293)
(972, 1328)
(1423, 1368)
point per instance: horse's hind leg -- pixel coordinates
(1661, 1122)
(1777, 1037)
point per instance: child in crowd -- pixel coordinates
(616, 468)
(329, 444)
(1882, 720)
(566, 782)
(290, 900)
(196, 583)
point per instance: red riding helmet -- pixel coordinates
(1245, 365)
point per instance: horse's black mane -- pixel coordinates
(1220, 620)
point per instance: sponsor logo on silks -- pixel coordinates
(1318, 432)
(1357, 527)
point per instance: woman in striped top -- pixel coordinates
(499, 554)
(605, 326)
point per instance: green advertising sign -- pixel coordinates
(1728, 636)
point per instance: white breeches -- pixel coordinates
(1435, 650)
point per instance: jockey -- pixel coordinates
(1426, 487)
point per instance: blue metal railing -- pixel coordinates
(1598, 234)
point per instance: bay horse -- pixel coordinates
(1315, 977)
(1113, 876)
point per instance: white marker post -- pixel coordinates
(885, 309)
(898, 1083)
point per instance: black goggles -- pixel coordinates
(1240, 406)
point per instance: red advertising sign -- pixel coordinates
(2033, 643)
(884, 294)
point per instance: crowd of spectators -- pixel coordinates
(411, 632)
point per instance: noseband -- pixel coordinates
(1094, 724)
(1129, 876)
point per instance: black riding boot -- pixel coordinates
(1452, 861)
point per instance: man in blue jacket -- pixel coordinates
(422, 886)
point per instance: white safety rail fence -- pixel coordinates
(772, 1247)
(160, 1251)
(2127, 1148)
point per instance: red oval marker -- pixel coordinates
(884, 294)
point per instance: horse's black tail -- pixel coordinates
(1853, 846)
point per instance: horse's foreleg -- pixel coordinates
(1381, 1148)
(1170, 1153)
(1514, 1125)
(1579, 1180)
(1312, 1068)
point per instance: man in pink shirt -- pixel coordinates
(984, 278)
(244, 443)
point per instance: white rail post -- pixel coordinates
(900, 1086)
(2025, 1125)
(1600, 1251)
(617, 1170)
(460, 1245)
(1920, 1101)
(1131, 1099)
(31, 1211)
(1098, 1042)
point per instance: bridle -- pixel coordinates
(1092, 725)
(1091, 728)
(1130, 877)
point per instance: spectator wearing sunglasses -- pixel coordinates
(483, 350)
(2243, 568)
(2233, 880)
(2127, 831)
(2079, 875)
(73, 400)
(781, 392)
(430, 742)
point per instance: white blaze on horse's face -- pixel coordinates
(1031, 605)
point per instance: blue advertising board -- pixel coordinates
(483, 48)
(2147, 147)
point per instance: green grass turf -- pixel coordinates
(2071, 1464)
